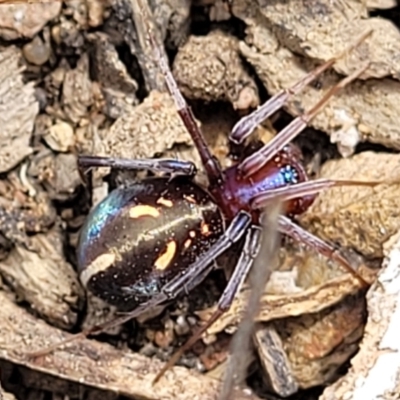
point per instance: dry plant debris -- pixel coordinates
(358, 218)
(93, 363)
(209, 68)
(42, 277)
(273, 358)
(318, 323)
(19, 21)
(151, 128)
(18, 111)
(284, 37)
(370, 376)
(318, 344)
(118, 88)
(90, 95)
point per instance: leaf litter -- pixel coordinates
(90, 100)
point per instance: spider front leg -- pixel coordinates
(164, 165)
(303, 189)
(297, 233)
(260, 158)
(298, 192)
(210, 163)
(249, 253)
(246, 125)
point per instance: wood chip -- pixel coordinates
(362, 218)
(18, 109)
(98, 364)
(19, 21)
(375, 369)
(276, 35)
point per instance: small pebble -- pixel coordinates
(60, 137)
(36, 52)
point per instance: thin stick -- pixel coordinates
(261, 271)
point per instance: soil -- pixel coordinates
(81, 77)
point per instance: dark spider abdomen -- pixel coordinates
(139, 237)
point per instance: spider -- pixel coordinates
(149, 242)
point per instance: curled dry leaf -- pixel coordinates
(210, 68)
(18, 109)
(370, 376)
(41, 277)
(97, 364)
(362, 218)
(365, 110)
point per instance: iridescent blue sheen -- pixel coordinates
(98, 218)
(289, 174)
(283, 176)
(103, 211)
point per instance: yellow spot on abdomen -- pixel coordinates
(99, 264)
(205, 229)
(165, 202)
(143, 210)
(165, 259)
(187, 243)
(190, 199)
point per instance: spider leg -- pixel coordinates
(233, 234)
(296, 232)
(180, 284)
(298, 190)
(210, 163)
(97, 329)
(250, 251)
(246, 125)
(165, 165)
(257, 160)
